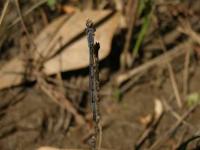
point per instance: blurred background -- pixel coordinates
(148, 68)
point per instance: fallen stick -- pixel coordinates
(3, 13)
(163, 138)
(158, 113)
(170, 68)
(60, 99)
(31, 9)
(158, 61)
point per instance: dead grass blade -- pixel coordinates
(41, 2)
(5, 8)
(164, 137)
(132, 11)
(186, 71)
(66, 36)
(158, 61)
(186, 28)
(60, 99)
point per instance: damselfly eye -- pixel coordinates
(89, 24)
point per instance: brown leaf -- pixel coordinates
(158, 109)
(146, 120)
(11, 73)
(70, 35)
(68, 9)
(76, 55)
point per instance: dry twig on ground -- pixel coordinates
(164, 137)
(159, 61)
(5, 8)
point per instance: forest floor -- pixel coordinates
(156, 107)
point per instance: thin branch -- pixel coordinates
(23, 24)
(170, 69)
(26, 30)
(41, 2)
(186, 72)
(5, 8)
(133, 9)
(158, 61)
(164, 137)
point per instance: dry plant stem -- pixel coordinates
(130, 83)
(94, 83)
(5, 8)
(104, 124)
(175, 114)
(172, 75)
(186, 72)
(60, 99)
(26, 31)
(187, 29)
(163, 138)
(170, 69)
(23, 24)
(132, 8)
(41, 2)
(158, 113)
(147, 132)
(159, 61)
(181, 139)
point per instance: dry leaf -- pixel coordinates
(69, 34)
(76, 55)
(68, 9)
(146, 120)
(11, 73)
(158, 109)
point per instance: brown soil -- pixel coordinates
(31, 119)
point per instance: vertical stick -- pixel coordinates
(94, 83)
(3, 13)
(186, 72)
(170, 69)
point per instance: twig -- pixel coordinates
(170, 69)
(41, 2)
(151, 129)
(60, 99)
(175, 114)
(186, 72)
(94, 84)
(5, 8)
(174, 85)
(133, 5)
(184, 145)
(23, 24)
(187, 29)
(172, 129)
(124, 88)
(28, 37)
(105, 124)
(158, 61)
(180, 140)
